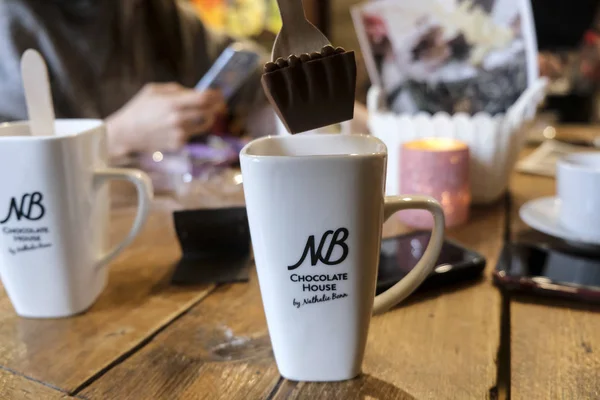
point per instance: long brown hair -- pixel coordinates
(160, 21)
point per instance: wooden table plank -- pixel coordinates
(365, 387)
(15, 387)
(437, 347)
(554, 344)
(137, 302)
(219, 350)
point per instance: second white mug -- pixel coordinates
(54, 215)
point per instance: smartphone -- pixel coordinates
(400, 254)
(541, 270)
(230, 70)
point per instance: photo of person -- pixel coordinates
(448, 55)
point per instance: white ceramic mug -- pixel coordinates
(316, 207)
(54, 216)
(578, 188)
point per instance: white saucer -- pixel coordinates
(542, 215)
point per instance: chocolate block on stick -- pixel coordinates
(312, 91)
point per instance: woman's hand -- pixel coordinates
(162, 117)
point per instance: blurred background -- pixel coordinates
(567, 34)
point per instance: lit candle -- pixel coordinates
(438, 167)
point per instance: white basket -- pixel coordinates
(494, 141)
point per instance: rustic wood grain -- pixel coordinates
(366, 387)
(219, 350)
(440, 345)
(555, 345)
(16, 387)
(137, 301)
(437, 345)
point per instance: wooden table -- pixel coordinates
(554, 345)
(146, 339)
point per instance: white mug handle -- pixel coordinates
(144, 189)
(410, 282)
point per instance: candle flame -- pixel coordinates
(436, 144)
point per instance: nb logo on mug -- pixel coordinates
(316, 255)
(31, 208)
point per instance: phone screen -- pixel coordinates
(549, 270)
(230, 70)
(399, 255)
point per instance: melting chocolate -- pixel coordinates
(312, 91)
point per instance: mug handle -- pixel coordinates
(144, 189)
(410, 282)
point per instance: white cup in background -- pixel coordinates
(54, 215)
(316, 207)
(578, 188)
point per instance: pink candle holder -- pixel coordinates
(438, 167)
